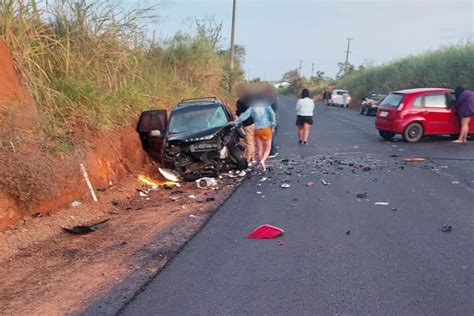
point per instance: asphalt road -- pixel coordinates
(339, 254)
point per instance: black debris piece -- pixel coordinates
(37, 215)
(446, 228)
(348, 232)
(101, 190)
(115, 202)
(361, 195)
(85, 229)
(394, 209)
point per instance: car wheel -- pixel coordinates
(454, 136)
(386, 135)
(413, 132)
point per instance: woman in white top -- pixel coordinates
(304, 116)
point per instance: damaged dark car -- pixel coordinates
(198, 140)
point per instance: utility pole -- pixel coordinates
(346, 64)
(232, 37)
(299, 68)
(312, 70)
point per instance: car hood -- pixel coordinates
(191, 136)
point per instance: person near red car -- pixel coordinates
(465, 109)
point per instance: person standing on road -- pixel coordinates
(265, 121)
(326, 97)
(248, 125)
(464, 105)
(304, 116)
(273, 97)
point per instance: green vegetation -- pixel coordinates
(90, 63)
(447, 67)
(316, 85)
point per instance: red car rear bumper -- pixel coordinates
(394, 126)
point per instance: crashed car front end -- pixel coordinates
(198, 155)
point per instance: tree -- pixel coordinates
(345, 69)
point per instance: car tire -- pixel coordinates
(238, 158)
(413, 132)
(386, 135)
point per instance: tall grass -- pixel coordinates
(447, 67)
(89, 62)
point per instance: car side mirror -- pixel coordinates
(155, 133)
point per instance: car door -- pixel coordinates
(439, 117)
(151, 127)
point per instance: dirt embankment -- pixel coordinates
(34, 181)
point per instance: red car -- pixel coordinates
(415, 113)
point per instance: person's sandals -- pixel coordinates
(457, 141)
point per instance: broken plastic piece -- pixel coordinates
(414, 159)
(361, 195)
(382, 203)
(310, 184)
(265, 232)
(85, 229)
(285, 185)
(446, 228)
(75, 203)
(324, 182)
(169, 175)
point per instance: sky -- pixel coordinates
(277, 34)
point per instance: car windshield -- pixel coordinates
(196, 119)
(393, 99)
(341, 92)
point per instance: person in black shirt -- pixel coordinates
(249, 127)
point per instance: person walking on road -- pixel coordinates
(464, 105)
(248, 125)
(265, 121)
(304, 116)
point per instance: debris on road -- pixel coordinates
(382, 203)
(310, 184)
(285, 185)
(192, 216)
(265, 232)
(446, 228)
(414, 159)
(192, 196)
(348, 232)
(394, 209)
(115, 202)
(206, 182)
(361, 195)
(324, 182)
(75, 203)
(455, 182)
(85, 229)
(169, 175)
